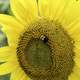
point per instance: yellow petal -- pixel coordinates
(74, 31)
(70, 13)
(63, 11)
(19, 74)
(6, 53)
(75, 74)
(24, 10)
(77, 56)
(26, 78)
(6, 68)
(11, 27)
(51, 8)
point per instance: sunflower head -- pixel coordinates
(44, 40)
(45, 51)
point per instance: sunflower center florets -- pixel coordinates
(45, 51)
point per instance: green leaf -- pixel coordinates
(5, 77)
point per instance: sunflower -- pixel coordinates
(44, 40)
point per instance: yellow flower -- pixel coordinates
(56, 22)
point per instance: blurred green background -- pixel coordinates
(4, 9)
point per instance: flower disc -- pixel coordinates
(45, 51)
